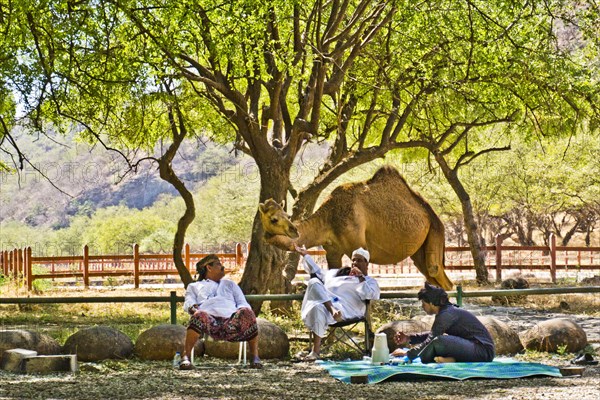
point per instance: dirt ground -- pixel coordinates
(218, 379)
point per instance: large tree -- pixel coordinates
(366, 76)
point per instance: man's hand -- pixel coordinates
(337, 315)
(401, 339)
(398, 353)
(358, 273)
(302, 250)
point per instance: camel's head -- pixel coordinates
(275, 221)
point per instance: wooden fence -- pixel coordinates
(20, 263)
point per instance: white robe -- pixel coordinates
(346, 294)
(218, 299)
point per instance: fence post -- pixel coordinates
(173, 305)
(239, 256)
(136, 266)
(13, 264)
(498, 258)
(20, 272)
(86, 266)
(553, 257)
(188, 257)
(28, 268)
(459, 295)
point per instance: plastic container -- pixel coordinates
(177, 360)
(380, 353)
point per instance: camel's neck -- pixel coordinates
(313, 232)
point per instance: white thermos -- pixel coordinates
(380, 352)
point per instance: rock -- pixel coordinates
(426, 319)
(506, 339)
(98, 343)
(591, 281)
(408, 326)
(162, 342)
(272, 343)
(29, 340)
(49, 364)
(553, 334)
(13, 359)
(511, 283)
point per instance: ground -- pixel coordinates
(218, 379)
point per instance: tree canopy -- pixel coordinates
(369, 77)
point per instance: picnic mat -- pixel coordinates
(502, 369)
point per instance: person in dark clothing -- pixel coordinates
(456, 334)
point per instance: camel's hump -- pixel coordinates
(386, 173)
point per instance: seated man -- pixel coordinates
(218, 307)
(336, 295)
(456, 334)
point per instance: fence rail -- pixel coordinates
(20, 263)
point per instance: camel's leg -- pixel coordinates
(334, 258)
(434, 257)
(419, 260)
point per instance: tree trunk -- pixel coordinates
(167, 174)
(451, 175)
(263, 273)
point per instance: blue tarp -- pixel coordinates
(498, 369)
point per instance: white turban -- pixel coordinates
(361, 252)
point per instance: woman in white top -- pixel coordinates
(218, 308)
(335, 295)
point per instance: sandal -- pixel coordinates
(312, 357)
(256, 365)
(185, 364)
(584, 359)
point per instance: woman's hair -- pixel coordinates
(201, 266)
(433, 295)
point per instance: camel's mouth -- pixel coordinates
(293, 232)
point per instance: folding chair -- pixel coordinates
(241, 352)
(346, 337)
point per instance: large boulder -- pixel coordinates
(162, 342)
(409, 327)
(508, 284)
(553, 334)
(506, 339)
(272, 343)
(99, 343)
(29, 340)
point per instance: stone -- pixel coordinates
(512, 283)
(409, 327)
(49, 364)
(29, 340)
(99, 343)
(506, 339)
(591, 281)
(161, 342)
(555, 334)
(13, 359)
(272, 343)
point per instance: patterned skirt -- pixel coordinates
(240, 327)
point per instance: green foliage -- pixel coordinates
(114, 230)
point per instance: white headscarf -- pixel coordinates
(361, 252)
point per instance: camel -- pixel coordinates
(381, 214)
